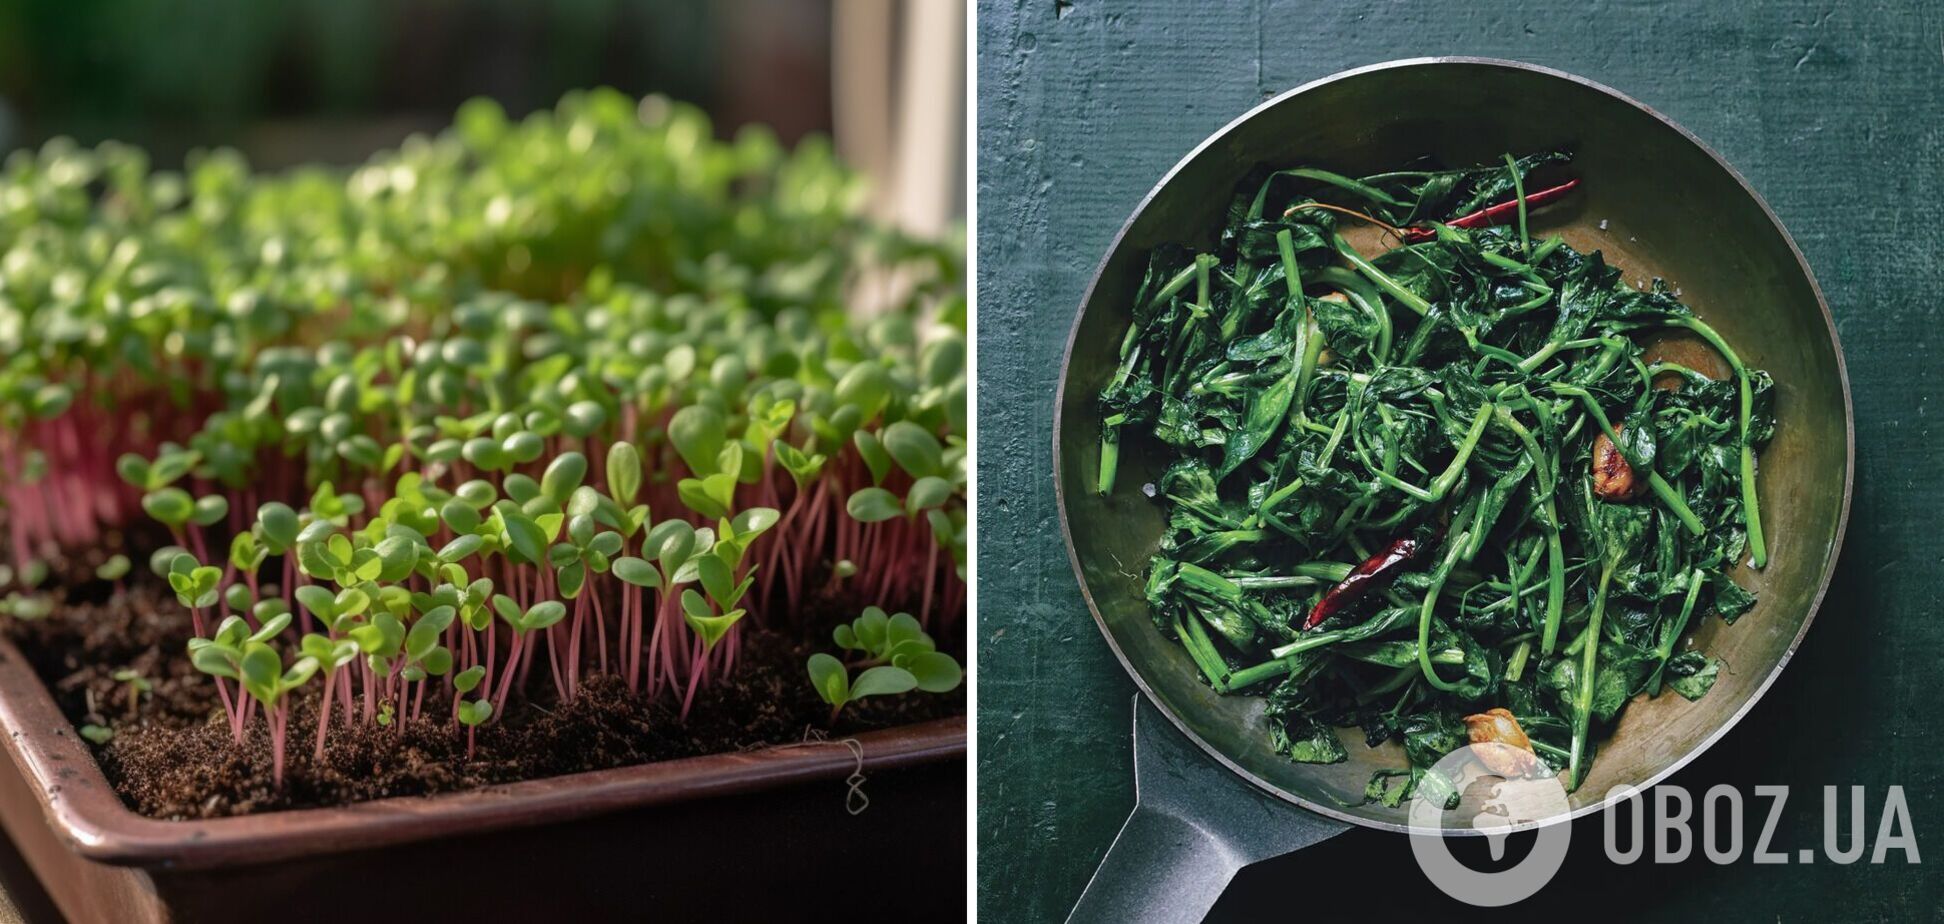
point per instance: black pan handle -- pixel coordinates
(1195, 824)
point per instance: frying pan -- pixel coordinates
(1659, 203)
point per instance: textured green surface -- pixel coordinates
(1831, 112)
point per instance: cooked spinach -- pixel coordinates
(1464, 439)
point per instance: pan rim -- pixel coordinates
(1802, 264)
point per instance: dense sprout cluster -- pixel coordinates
(588, 388)
(1439, 493)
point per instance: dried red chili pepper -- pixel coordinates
(1375, 572)
(1495, 215)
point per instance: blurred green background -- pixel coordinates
(332, 80)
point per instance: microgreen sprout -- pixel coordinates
(487, 421)
(895, 655)
(134, 687)
(114, 569)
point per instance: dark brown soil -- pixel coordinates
(171, 755)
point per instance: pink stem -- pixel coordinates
(196, 542)
(492, 652)
(631, 635)
(553, 661)
(695, 677)
(655, 643)
(346, 705)
(324, 715)
(506, 682)
(574, 645)
(277, 717)
(600, 629)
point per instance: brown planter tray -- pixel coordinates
(662, 839)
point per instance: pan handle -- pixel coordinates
(1195, 824)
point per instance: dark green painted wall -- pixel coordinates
(1832, 112)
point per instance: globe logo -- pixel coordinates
(1496, 789)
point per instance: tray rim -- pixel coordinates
(82, 808)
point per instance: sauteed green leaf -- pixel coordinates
(1406, 487)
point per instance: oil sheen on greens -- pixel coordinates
(1318, 404)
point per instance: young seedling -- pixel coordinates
(470, 713)
(620, 512)
(270, 683)
(28, 607)
(114, 570)
(246, 555)
(381, 639)
(894, 654)
(576, 562)
(186, 516)
(134, 687)
(404, 467)
(805, 470)
(423, 657)
(221, 656)
(195, 585)
(725, 579)
(673, 545)
(536, 618)
(330, 655)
